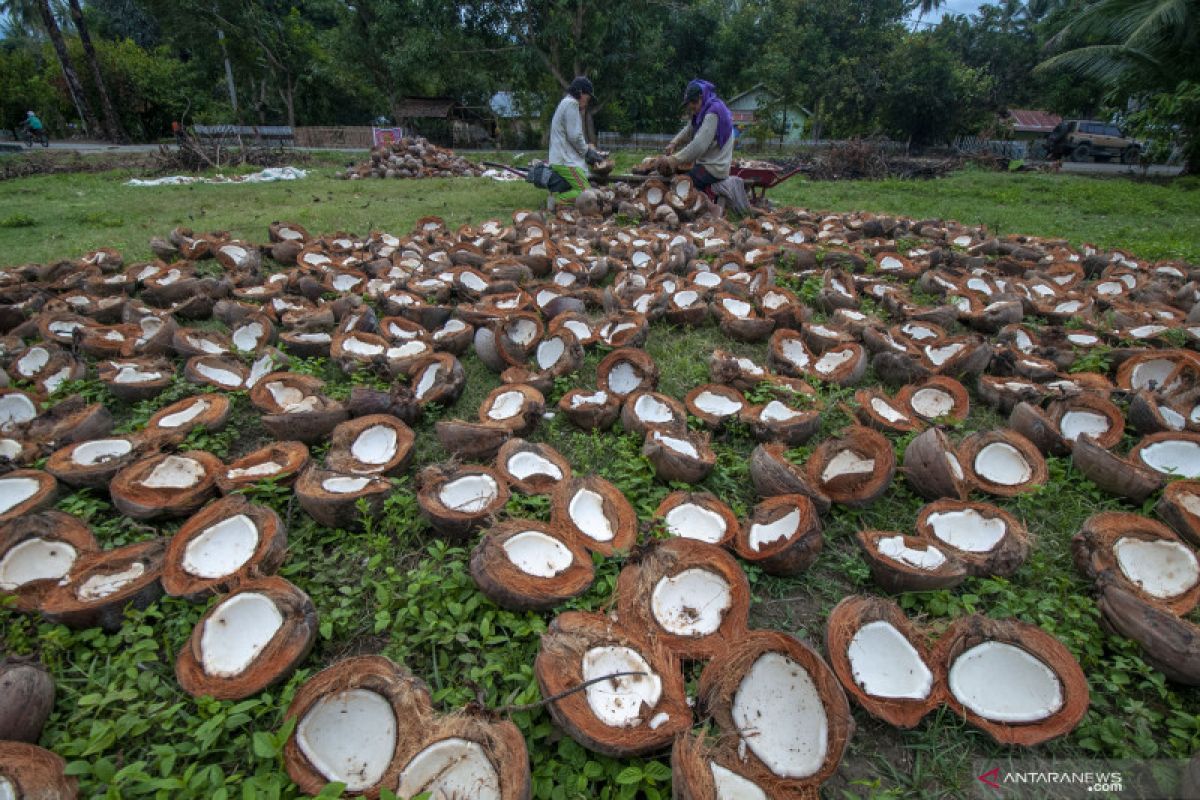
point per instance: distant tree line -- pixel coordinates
(125, 69)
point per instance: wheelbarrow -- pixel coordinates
(759, 179)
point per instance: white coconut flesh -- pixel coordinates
(408, 350)
(236, 632)
(313, 337)
(580, 329)
(895, 548)
(537, 554)
(523, 332)
(360, 348)
(1076, 423)
(932, 403)
(1000, 462)
(174, 472)
(222, 548)
(1190, 503)
(586, 510)
(1154, 372)
(14, 491)
(885, 663)
(686, 299)
(35, 560)
(690, 521)
(1143, 331)
(219, 375)
(624, 378)
(940, 355)
(57, 379)
(7, 790)
(886, 410)
(349, 737)
(795, 352)
(449, 770)
(64, 328)
(780, 716)
(32, 362)
(16, 409)
(247, 336)
(717, 404)
(549, 352)
(847, 462)
(106, 584)
(469, 494)
(833, 360)
(344, 484)
(682, 446)
(375, 446)
(1175, 421)
(10, 448)
(184, 416)
(1005, 683)
(596, 399)
(254, 470)
(776, 411)
(527, 463)
(731, 786)
(692, 603)
(708, 280)
(205, 346)
(617, 702)
(1178, 457)
(968, 530)
(1161, 568)
(955, 467)
(738, 308)
(650, 409)
(135, 375)
(428, 379)
(919, 332)
(99, 451)
(765, 533)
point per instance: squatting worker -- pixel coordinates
(707, 138)
(570, 152)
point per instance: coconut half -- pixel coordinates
(1170, 643)
(456, 501)
(782, 535)
(100, 585)
(331, 498)
(1179, 506)
(679, 455)
(1126, 477)
(39, 550)
(249, 640)
(595, 513)
(174, 423)
(626, 715)
(377, 444)
(703, 772)
(590, 410)
(463, 755)
(715, 403)
(93, 463)
(28, 772)
(531, 468)
(25, 491)
(280, 462)
(986, 539)
(525, 565)
(226, 543)
(935, 398)
(691, 596)
(294, 407)
(902, 563)
(882, 660)
(853, 469)
(1142, 556)
(699, 516)
(1002, 462)
(1174, 454)
(165, 485)
(514, 406)
(774, 475)
(626, 371)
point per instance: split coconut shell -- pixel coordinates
(228, 542)
(853, 469)
(596, 513)
(524, 565)
(280, 462)
(331, 498)
(1002, 462)
(782, 535)
(900, 563)
(29, 772)
(531, 468)
(100, 586)
(457, 501)
(700, 516)
(26, 700)
(1142, 556)
(165, 485)
(37, 551)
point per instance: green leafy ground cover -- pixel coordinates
(127, 730)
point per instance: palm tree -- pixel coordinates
(923, 7)
(112, 122)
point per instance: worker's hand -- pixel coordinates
(593, 156)
(673, 161)
(670, 148)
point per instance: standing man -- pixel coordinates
(570, 154)
(707, 139)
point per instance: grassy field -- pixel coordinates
(128, 731)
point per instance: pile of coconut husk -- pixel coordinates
(412, 157)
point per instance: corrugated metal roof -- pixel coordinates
(1030, 121)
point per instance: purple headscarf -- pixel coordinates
(711, 104)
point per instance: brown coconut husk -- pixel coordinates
(51, 527)
(1005, 558)
(448, 522)
(500, 740)
(68, 421)
(269, 551)
(617, 510)
(846, 619)
(672, 464)
(341, 457)
(1150, 414)
(897, 420)
(967, 632)
(1038, 427)
(953, 390)
(1135, 455)
(26, 700)
(1003, 393)
(635, 423)
(708, 502)
(1169, 643)
(289, 458)
(1093, 549)
(398, 402)
(698, 397)
(38, 489)
(894, 575)
(787, 354)
(407, 695)
(1179, 507)
(114, 374)
(638, 582)
(970, 448)
(773, 475)
(212, 416)
(133, 499)
(559, 668)
(1094, 404)
(97, 474)
(1114, 474)
(339, 509)
(853, 489)
(443, 384)
(529, 413)
(719, 684)
(64, 604)
(35, 773)
(898, 369)
(509, 586)
(642, 368)
(278, 658)
(740, 373)
(929, 465)
(791, 554)
(692, 760)
(473, 441)
(589, 410)
(542, 481)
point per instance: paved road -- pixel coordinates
(1110, 168)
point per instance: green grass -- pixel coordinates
(127, 730)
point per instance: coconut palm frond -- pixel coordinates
(1167, 22)
(1106, 63)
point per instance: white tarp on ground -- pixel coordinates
(265, 176)
(500, 175)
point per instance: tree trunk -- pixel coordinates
(289, 99)
(112, 122)
(74, 87)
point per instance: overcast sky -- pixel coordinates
(955, 7)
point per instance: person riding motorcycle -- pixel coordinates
(33, 128)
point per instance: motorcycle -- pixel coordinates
(30, 136)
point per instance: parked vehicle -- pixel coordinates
(1088, 140)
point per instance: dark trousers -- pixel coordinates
(701, 178)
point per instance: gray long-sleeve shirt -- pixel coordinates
(702, 148)
(567, 143)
